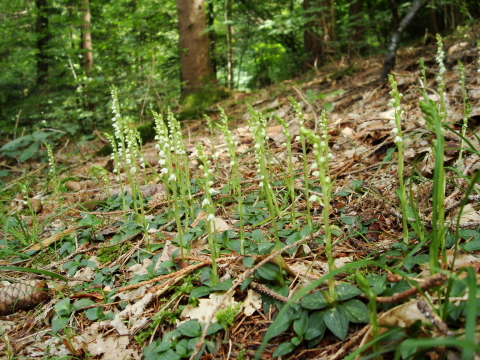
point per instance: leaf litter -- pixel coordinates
(361, 143)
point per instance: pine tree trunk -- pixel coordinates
(194, 47)
(319, 30)
(86, 38)
(229, 34)
(43, 37)
(390, 58)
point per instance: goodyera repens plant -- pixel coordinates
(397, 133)
(321, 169)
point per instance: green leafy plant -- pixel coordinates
(180, 343)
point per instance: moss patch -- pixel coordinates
(196, 104)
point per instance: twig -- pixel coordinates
(435, 280)
(427, 311)
(239, 281)
(350, 343)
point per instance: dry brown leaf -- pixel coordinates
(252, 302)
(402, 316)
(73, 185)
(205, 307)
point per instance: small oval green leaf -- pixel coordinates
(314, 301)
(336, 321)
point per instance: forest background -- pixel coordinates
(59, 58)
(68, 66)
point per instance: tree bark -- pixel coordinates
(355, 11)
(86, 38)
(194, 47)
(212, 37)
(395, 17)
(319, 30)
(229, 37)
(43, 37)
(389, 62)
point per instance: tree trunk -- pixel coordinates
(229, 36)
(355, 12)
(86, 38)
(319, 30)
(312, 37)
(195, 56)
(389, 62)
(43, 37)
(212, 37)
(395, 17)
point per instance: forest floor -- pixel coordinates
(126, 293)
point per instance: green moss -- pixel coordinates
(108, 254)
(147, 131)
(227, 316)
(198, 103)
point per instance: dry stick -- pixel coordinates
(435, 280)
(427, 311)
(239, 281)
(350, 343)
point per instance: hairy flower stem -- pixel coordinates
(301, 137)
(397, 131)
(322, 156)
(234, 174)
(210, 210)
(290, 178)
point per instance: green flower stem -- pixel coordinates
(210, 210)
(258, 127)
(165, 145)
(467, 109)
(397, 131)
(290, 178)
(322, 155)
(298, 110)
(234, 173)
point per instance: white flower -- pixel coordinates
(172, 178)
(211, 217)
(205, 202)
(397, 139)
(164, 171)
(316, 173)
(313, 198)
(297, 138)
(213, 191)
(395, 130)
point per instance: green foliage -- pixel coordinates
(226, 316)
(180, 343)
(28, 146)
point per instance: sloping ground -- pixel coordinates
(124, 293)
